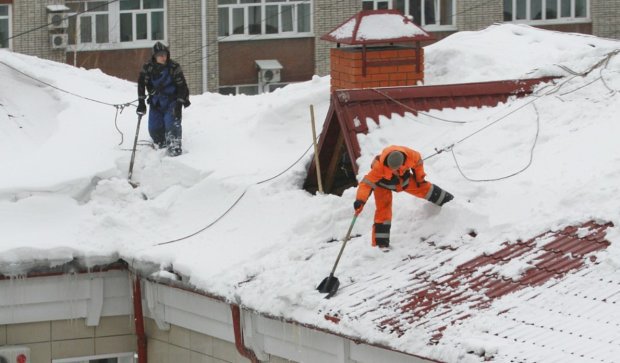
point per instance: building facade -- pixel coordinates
(218, 42)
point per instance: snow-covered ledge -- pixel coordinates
(58, 297)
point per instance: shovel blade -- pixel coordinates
(329, 286)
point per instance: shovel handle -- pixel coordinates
(133, 151)
(344, 243)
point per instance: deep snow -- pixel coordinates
(64, 192)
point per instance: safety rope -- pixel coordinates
(235, 202)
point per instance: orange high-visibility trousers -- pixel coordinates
(383, 212)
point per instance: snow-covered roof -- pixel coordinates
(246, 231)
(376, 26)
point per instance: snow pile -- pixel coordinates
(265, 242)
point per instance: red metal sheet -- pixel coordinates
(447, 299)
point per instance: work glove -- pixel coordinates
(177, 113)
(141, 107)
(358, 205)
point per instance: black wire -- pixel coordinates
(121, 105)
(66, 17)
(236, 201)
(513, 174)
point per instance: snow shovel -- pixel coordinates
(133, 154)
(330, 284)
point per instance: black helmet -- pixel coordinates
(160, 47)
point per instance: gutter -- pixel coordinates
(138, 318)
(241, 348)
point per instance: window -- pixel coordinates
(5, 25)
(107, 358)
(282, 18)
(246, 89)
(426, 13)
(548, 11)
(91, 25)
(142, 20)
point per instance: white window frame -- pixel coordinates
(263, 4)
(128, 357)
(93, 15)
(559, 20)
(114, 27)
(422, 22)
(10, 25)
(148, 12)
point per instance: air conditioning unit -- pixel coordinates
(59, 41)
(268, 71)
(12, 354)
(57, 21)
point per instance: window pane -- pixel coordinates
(287, 18)
(71, 30)
(228, 91)
(581, 10)
(368, 5)
(248, 90)
(223, 22)
(130, 4)
(271, 19)
(400, 6)
(429, 12)
(446, 12)
(566, 8)
(226, 2)
(250, 1)
(4, 33)
(141, 26)
(157, 25)
(415, 10)
(86, 29)
(536, 10)
(507, 10)
(238, 21)
(382, 5)
(101, 28)
(153, 4)
(521, 10)
(254, 20)
(126, 27)
(76, 7)
(552, 9)
(97, 6)
(4, 10)
(303, 18)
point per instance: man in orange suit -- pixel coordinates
(396, 169)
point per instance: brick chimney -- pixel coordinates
(372, 60)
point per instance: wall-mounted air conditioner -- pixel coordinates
(12, 354)
(268, 71)
(57, 21)
(59, 41)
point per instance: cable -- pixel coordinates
(513, 174)
(66, 17)
(235, 202)
(414, 111)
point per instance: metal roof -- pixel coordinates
(423, 296)
(375, 27)
(349, 110)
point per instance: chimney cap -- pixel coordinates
(377, 26)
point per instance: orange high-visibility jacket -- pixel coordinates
(380, 175)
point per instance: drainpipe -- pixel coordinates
(241, 348)
(138, 319)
